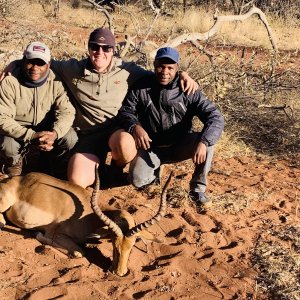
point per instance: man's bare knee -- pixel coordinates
(81, 169)
(122, 146)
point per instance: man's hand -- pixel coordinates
(45, 140)
(7, 70)
(187, 84)
(200, 154)
(141, 137)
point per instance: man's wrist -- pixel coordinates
(132, 128)
(55, 134)
(33, 136)
(204, 142)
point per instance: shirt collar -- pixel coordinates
(89, 67)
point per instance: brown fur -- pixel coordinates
(62, 211)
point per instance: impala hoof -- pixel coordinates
(119, 273)
(77, 254)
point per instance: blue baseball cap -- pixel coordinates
(168, 52)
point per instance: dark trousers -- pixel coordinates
(11, 150)
(143, 168)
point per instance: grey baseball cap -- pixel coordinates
(38, 50)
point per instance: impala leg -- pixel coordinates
(2, 221)
(62, 243)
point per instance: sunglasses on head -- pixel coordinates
(96, 47)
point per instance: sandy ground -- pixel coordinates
(205, 254)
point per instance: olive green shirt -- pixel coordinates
(97, 97)
(22, 107)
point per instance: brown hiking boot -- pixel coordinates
(15, 169)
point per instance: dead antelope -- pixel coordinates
(67, 214)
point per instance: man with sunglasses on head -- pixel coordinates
(35, 111)
(97, 86)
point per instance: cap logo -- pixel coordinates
(39, 48)
(102, 38)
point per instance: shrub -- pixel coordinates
(7, 7)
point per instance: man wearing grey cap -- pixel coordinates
(159, 116)
(35, 111)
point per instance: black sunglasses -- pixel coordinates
(96, 47)
(35, 62)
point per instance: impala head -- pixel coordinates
(124, 238)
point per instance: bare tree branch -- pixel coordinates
(133, 18)
(105, 12)
(153, 7)
(149, 30)
(189, 37)
(125, 48)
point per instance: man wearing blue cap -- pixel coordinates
(159, 116)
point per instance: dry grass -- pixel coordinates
(279, 265)
(231, 145)
(197, 20)
(178, 197)
(287, 35)
(233, 203)
(133, 20)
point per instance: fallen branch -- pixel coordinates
(219, 20)
(283, 107)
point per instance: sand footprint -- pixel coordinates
(53, 292)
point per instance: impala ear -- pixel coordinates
(100, 233)
(144, 234)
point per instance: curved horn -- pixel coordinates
(161, 211)
(94, 203)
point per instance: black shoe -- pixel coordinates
(199, 197)
(156, 181)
